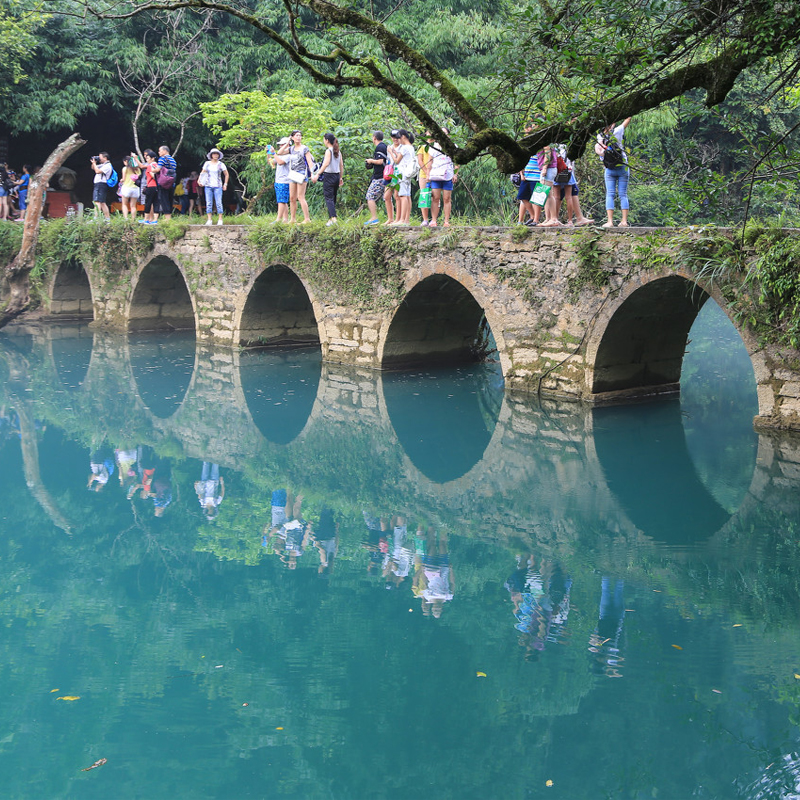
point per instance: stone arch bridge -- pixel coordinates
(571, 314)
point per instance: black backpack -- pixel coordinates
(613, 155)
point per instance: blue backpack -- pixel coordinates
(113, 179)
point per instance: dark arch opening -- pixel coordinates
(72, 293)
(439, 322)
(280, 390)
(641, 352)
(444, 419)
(278, 311)
(680, 468)
(161, 301)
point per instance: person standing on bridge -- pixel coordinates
(301, 165)
(615, 161)
(216, 182)
(332, 172)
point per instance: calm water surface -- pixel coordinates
(252, 575)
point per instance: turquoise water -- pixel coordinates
(475, 595)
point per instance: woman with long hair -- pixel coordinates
(300, 163)
(332, 171)
(129, 188)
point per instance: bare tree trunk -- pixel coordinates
(18, 272)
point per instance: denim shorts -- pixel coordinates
(405, 187)
(3, 192)
(550, 175)
(99, 192)
(447, 186)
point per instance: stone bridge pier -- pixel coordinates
(577, 315)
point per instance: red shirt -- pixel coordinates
(151, 175)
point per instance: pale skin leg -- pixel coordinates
(387, 199)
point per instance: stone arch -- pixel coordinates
(70, 294)
(278, 310)
(160, 300)
(438, 322)
(636, 345)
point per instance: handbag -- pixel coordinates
(202, 179)
(424, 198)
(388, 172)
(564, 172)
(296, 177)
(540, 194)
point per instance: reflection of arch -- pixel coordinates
(162, 370)
(160, 299)
(445, 432)
(438, 322)
(648, 468)
(71, 293)
(71, 349)
(278, 310)
(640, 349)
(280, 390)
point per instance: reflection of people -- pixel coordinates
(210, 490)
(398, 565)
(605, 641)
(439, 578)
(326, 534)
(289, 535)
(376, 544)
(541, 602)
(101, 464)
(126, 459)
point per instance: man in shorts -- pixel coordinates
(377, 184)
(102, 172)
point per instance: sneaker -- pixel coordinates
(372, 222)
(330, 222)
(209, 222)
(219, 221)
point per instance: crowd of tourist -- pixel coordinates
(546, 184)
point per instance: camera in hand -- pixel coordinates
(94, 159)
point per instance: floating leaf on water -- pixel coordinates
(278, 729)
(548, 783)
(98, 763)
(69, 697)
(677, 647)
(480, 674)
(219, 666)
(53, 691)
(797, 676)
(738, 625)
(716, 691)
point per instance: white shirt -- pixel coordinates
(104, 174)
(214, 171)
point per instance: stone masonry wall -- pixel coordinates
(548, 296)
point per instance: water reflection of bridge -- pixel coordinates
(531, 470)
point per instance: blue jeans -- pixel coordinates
(213, 198)
(617, 183)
